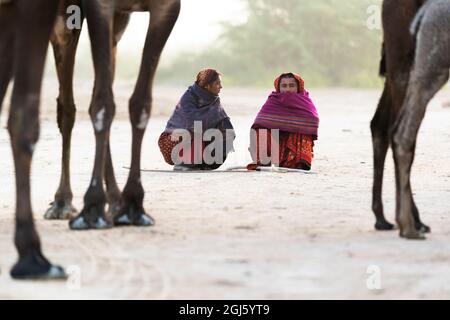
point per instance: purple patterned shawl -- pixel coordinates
(290, 112)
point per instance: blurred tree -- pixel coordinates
(327, 41)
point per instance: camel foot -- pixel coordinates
(57, 211)
(92, 218)
(36, 267)
(412, 234)
(384, 225)
(422, 228)
(132, 216)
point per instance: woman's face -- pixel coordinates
(215, 87)
(288, 85)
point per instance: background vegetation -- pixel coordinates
(327, 41)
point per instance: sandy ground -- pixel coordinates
(241, 235)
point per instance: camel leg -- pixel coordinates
(6, 54)
(23, 127)
(100, 20)
(64, 43)
(398, 89)
(380, 141)
(426, 80)
(113, 193)
(380, 127)
(163, 19)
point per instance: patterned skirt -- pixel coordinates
(166, 145)
(295, 150)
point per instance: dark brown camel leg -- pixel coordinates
(426, 79)
(6, 54)
(64, 43)
(380, 141)
(163, 18)
(102, 109)
(7, 17)
(114, 195)
(34, 21)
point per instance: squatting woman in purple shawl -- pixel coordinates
(290, 110)
(198, 111)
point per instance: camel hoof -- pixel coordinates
(144, 220)
(422, 228)
(102, 223)
(134, 217)
(36, 267)
(384, 225)
(80, 223)
(57, 212)
(55, 273)
(412, 234)
(122, 220)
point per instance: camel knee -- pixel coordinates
(102, 115)
(23, 124)
(140, 113)
(403, 146)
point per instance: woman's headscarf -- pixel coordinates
(298, 78)
(207, 76)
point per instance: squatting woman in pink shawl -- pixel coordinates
(290, 110)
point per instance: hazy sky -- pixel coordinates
(198, 25)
